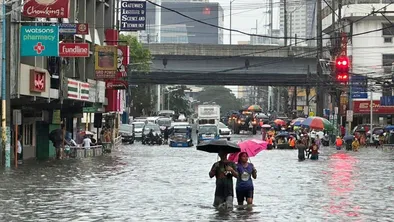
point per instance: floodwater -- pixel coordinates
(159, 183)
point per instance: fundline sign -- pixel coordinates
(39, 41)
(74, 49)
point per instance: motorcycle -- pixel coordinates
(153, 139)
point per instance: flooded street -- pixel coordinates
(159, 183)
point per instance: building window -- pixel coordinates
(388, 39)
(387, 60)
(28, 134)
(388, 29)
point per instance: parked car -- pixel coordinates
(138, 126)
(225, 132)
(163, 123)
(127, 133)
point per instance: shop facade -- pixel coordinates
(381, 115)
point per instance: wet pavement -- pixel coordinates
(159, 183)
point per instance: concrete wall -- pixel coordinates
(210, 50)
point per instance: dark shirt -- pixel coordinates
(301, 151)
(224, 183)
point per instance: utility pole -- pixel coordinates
(285, 21)
(271, 8)
(307, 90)
(231, 31)
(5, 130)
(319, 91)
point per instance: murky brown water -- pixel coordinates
(140, 183)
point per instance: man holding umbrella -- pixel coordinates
(224, 171)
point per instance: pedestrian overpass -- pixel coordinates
(203, 64)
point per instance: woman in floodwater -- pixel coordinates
(224, 171)
(244, 186)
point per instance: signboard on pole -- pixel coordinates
(74, 28)
(39, 41)
(74, 49)
(132, 15)
(46, 8)
(359, 87)
(349, 116)
(106, 60)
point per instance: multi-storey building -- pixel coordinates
(300, 21)
(48, 90)
(165, 26)
(370, 43)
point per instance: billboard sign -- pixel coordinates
(39, 41)
(74, 49)
(363, 107)
(123, 60)
(106, 61)
(74, 28)
(106, 58)
(359, 87)
(133, 15)
(46, 8)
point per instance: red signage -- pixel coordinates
(116, 84)
(123, 60)
(206, 11)
(82, 28)
(37, 81)
(74, 49)
(363, 107)
(46, 8)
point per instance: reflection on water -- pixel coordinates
(159, 183)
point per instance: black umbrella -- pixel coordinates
(348, 138)
(215, 146)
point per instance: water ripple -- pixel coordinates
(158, 183)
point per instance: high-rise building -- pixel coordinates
(301, 16)
(166, 26)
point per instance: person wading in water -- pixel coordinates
(244, 186)
(224, 171)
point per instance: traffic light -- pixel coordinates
(342, 69)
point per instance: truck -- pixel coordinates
(207, 122)
(208, 114)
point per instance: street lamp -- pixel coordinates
(168, 97)
(231, 31)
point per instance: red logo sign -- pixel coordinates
(39, 48)
(364, 107)
(46, 8)
(206, 11)
(37, 81)
(74, 49)
(116, 84)
(82, 29)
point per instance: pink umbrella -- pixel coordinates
(251, 147)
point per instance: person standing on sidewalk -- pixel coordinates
(19, 151)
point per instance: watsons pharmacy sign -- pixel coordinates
(39, 41)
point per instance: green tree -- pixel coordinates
(221, 96)
(141, 96)
(178, 101)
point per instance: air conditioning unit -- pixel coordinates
(45, 116)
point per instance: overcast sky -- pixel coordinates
(244, 16)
